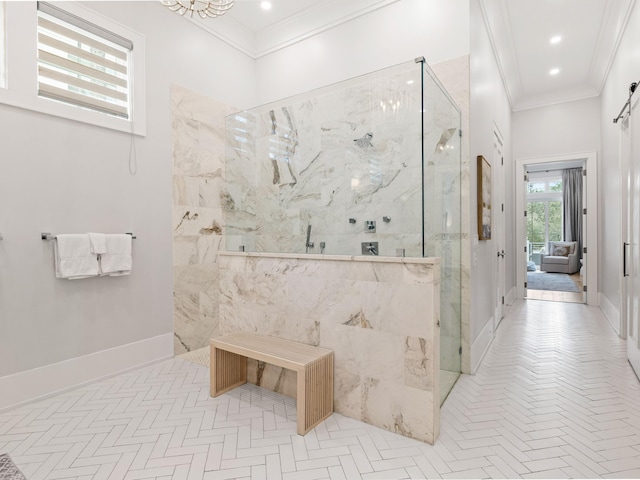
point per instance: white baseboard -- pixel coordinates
(42, 382)
(480, 345)
(511, 296)
(611, 312)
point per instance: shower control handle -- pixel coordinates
(501, 254)
(370, 226)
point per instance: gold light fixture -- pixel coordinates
(204, 8)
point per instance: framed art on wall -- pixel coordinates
(484, 198)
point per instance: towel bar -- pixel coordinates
(51, 236)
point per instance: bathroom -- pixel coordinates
(64, 175)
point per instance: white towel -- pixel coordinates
(73, 257)
(98, 243)
(117, 261)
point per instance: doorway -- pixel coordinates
(545, 232)
(630, 282)
(554, 230)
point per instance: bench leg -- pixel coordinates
(228, 371)
(314, 401)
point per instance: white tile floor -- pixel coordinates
(555, 397)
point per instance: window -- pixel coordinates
(82, 64)
(76, 63)
(544, 213)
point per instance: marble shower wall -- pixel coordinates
(379, 315)
(350, 151)
(198, 164)
(353, 150)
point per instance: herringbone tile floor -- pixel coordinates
(555, 397)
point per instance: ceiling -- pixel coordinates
(257, 32)
(521, 30)
(520, 33)
(250, 15)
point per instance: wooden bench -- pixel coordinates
(313, 366)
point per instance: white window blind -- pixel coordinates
(81, 63)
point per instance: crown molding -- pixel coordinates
(615, 22)
(555, 98)
(322, 17)
(313, 21)
(499, 33)
(609, 36)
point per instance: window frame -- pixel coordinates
(22, 69)
(546, 196)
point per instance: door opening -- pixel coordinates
(552, 229)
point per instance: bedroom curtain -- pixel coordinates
(572, 206)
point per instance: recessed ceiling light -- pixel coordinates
(266, 5)
(555, 39)
(409, 82)
(554, 71)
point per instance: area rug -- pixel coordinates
(558, 282)
(8, 469)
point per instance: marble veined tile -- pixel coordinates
(199, 146)
(379, 319)
(273, 378)
(398, 408)
(322, 160)
(418, 363)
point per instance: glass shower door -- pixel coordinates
(442, 216)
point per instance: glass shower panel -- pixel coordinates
(375, 160)
(442, 216)
(306, 174)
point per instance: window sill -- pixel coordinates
(73, 113)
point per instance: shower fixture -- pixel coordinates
(322, 246)
(352, 220)
(204, 8)
(370, 226)
(369, 248)
(308, 244)
(386, 219)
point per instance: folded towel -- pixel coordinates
(117, 261)
(98, 243)
(73, 257)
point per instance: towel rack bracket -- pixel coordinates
(50, 236)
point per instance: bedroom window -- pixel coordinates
(544, 213)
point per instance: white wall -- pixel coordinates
(400, 32)
(63, 176)
(489, 106)
(624, 70)
(557, 129)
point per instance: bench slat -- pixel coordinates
(277, 351)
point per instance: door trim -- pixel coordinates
(590, 160)
(500, 286)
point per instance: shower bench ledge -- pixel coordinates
(313, 366)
